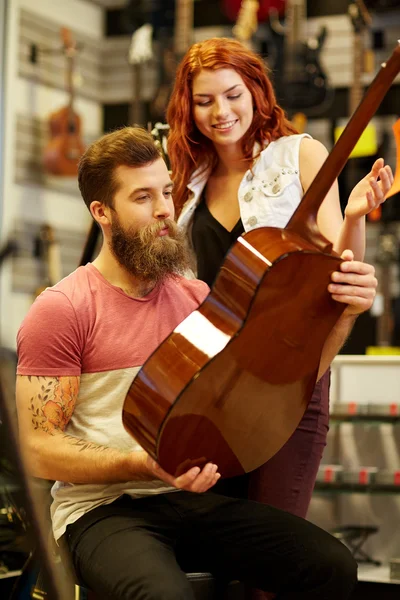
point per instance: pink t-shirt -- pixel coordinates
(84, 324)
(86, 327)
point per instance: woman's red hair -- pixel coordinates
(187, 147)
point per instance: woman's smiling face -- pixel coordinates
(222, 106)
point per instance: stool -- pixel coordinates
(204, 585)
(354, 536)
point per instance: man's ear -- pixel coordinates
(100, 213)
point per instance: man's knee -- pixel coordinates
(159, 588)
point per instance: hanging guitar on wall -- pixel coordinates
(65, 146)
(47, 250)
(232, 8)
(183, 29)
(365, 151)
(247, 14)
(299, 80)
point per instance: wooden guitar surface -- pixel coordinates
(234, 378)
(231, 383)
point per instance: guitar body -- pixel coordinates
(232, 382)
(65, 147)
(299, 80)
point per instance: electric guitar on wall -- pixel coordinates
(299, 80)
(65, 147)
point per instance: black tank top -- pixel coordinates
(211, 242)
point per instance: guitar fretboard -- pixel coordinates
(295, 15)
(183, 26)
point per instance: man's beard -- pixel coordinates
(147, 255)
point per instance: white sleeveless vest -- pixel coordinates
(268, 195)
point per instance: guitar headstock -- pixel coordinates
(246, 24)
(70, 46)
(359, 16)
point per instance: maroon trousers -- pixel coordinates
(287, 480)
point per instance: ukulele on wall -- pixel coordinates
(65, 147)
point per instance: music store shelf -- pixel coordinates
(367, 418)
(345, 487)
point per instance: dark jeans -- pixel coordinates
(139, 549)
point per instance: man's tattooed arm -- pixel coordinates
(45, 406)
(83, 444)
(52, 402)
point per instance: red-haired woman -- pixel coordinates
(238, 164)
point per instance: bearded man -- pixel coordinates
(79, 348)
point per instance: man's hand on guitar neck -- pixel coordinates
(194, 480)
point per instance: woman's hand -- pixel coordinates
(355, 284)
(370, 192)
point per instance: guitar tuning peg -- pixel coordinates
(77, 79)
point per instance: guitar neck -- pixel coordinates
(295, 16)
(183, 26)
(70, 80)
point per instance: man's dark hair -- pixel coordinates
(129, 146)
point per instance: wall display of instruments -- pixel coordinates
(213, 384)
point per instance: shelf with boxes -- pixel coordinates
(367, 412)
(364, 439)
(357, 491)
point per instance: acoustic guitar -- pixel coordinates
(231, 383)
(65, 146)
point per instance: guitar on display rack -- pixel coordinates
(65, 146)
(183, 29)
(366, 150)
(300, 82)
(232, 8)
(247, 14)
(47, 250)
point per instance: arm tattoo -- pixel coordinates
(83, 444)
(53, 405)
